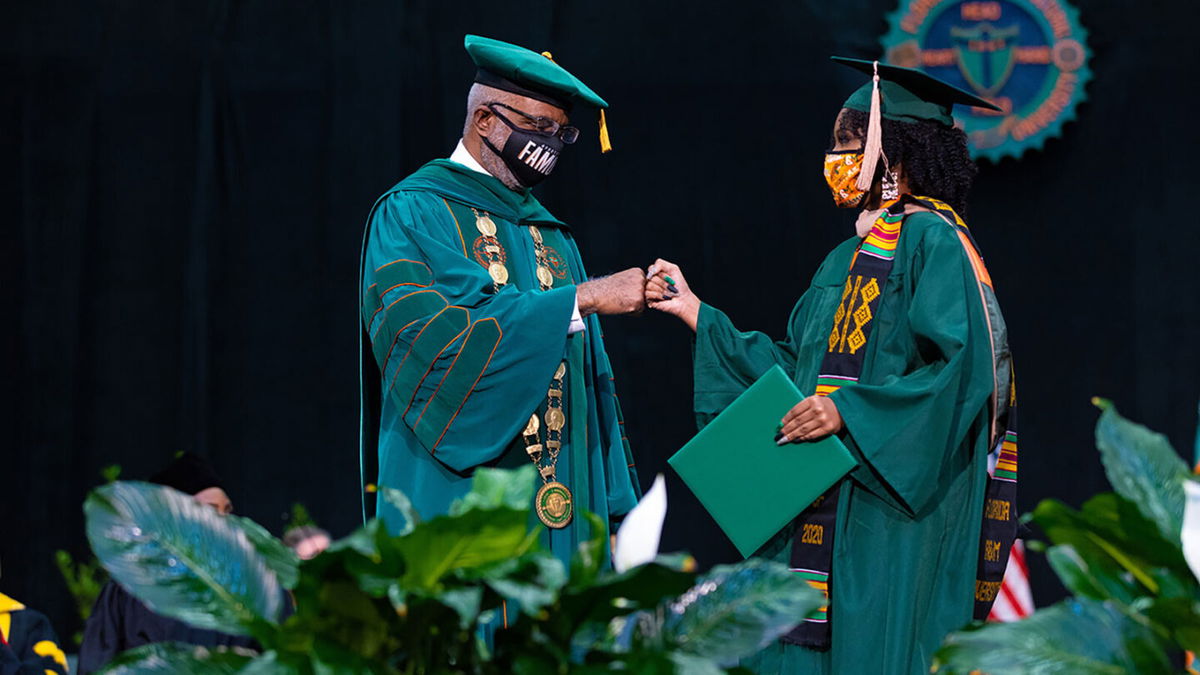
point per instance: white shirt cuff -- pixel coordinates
(577, 325)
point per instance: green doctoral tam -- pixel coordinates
(518, 70)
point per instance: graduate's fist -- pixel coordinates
(667, 291)
(814, 417)
(620, 293)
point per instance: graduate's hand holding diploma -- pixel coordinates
(667, 291)
(814, 417)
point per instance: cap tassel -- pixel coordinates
(605, 143)
(874, 145)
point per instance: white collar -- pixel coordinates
(462, 156)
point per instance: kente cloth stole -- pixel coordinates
(999, 526)
(812, 547)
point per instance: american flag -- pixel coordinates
(1015, 600)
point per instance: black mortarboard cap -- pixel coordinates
(189, 473)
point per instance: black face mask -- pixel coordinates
(529, 155)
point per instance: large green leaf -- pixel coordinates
(1075, 637)
(736, 610)
(1115, 540)
(467, 602)
(590, 559)
(369, 555)
(1179, 617)
(612, 594)
(172, 657)
(498, 488)
(533, 583)
(282, 560)
(690, 664)
(1143, 468)
(342, 614)
(1089, 579)
(181, 558)
(364, 540)
(476, 538)
(404, 510)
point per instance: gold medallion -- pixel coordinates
(545, 276)
(536, 234)
(553, 505)
(555, 419)
(561, 372)
(499, 273)
(485, 225)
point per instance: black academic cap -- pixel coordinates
(189, 473)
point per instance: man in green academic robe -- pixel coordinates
(481, 340)
(918, 411)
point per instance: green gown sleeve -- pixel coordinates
(463, 365)
(727, 361)
(909, 430)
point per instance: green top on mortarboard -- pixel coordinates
(909, 95)
(527, 73)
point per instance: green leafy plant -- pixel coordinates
(84, 579)
(423, 601)
(111, 473)
(299, 518)
(1135, 598)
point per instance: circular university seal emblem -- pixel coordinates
(1029, 57)
(554, 505)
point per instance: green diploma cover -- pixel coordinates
(750, 485)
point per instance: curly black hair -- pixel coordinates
(935, 157)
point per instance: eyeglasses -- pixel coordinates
(543, 125)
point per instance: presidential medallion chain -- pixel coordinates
(553, 502)
(491, 249)
(545, 275)
(494, 254)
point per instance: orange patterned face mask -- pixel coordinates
(841, 173)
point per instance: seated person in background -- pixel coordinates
(27, 641)
(120, 621)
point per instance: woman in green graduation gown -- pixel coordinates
(902, 341)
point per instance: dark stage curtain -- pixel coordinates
(186, 184)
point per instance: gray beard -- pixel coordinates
(495, 165)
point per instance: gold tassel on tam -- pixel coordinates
(605, 143)
(874, 145)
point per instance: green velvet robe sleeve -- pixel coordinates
(911, 429)
(727, 361)
(467, 365)
(925, 386)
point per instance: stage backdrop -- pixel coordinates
(186, 183)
